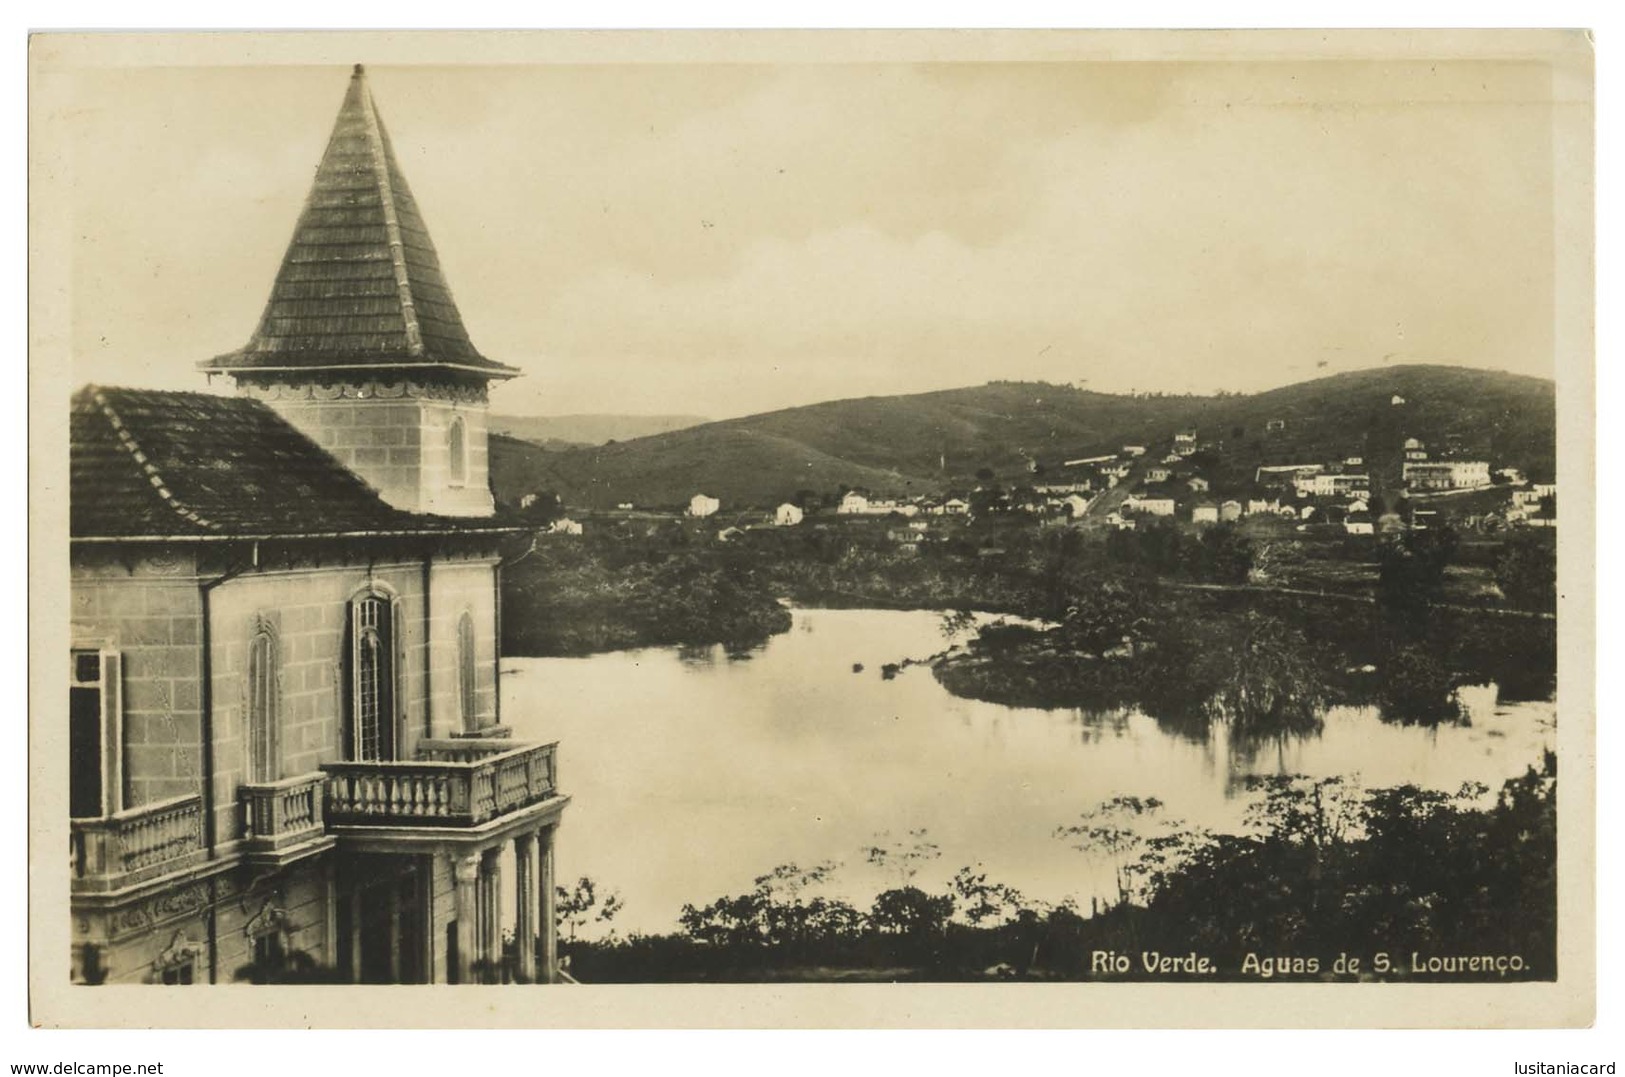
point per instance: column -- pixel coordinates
(394, 906)
(493, 922)
(549, 972)
(330, 910)
(355, 933)
(524, 933)
(467, 873)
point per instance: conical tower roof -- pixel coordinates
(360, 287)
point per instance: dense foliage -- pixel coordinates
(634, 590)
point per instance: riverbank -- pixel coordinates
(1307, 895)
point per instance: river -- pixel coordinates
(693, 773)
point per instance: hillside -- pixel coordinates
(924, 442)
(568, 431)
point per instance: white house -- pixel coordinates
(1446, 474)
(1205, 514)
(702, 506)
(853, 503)
(564, 526)
(787, 515)
(1150, 506)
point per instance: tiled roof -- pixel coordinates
(360, 285)
(166, 464)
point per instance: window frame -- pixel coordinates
(457, 452)
(263, 632)
(392, 655)
(468, 697)
(109, 684)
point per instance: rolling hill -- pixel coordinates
(568, 431)
(925, 442)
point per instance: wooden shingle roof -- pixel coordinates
(360, 286)
(146, 464)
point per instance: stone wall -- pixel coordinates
(440, 490)
(134, 940)
(396, 437)
(306, 609)
(149, 611)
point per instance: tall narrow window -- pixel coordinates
(94, 780)
(372, 679)
(467, 700)
(457, 444)
(263, 762)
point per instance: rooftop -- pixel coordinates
(360, 286)
(146, 464)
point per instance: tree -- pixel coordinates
(578, 906)
(1103, 611)
(1272, 686)
(1227, 554)
(1411, 569)
(1116, 831)
(1526, 571)
(910, 911)
(982, 900)
(904, 857)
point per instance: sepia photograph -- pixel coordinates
(1030, 512)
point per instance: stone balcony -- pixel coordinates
(137, 845)
(283, 820)
(465, 790)
(465, 784)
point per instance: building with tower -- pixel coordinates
(287, 753)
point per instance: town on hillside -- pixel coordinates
(1185, 478)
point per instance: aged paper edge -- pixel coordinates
(1569, 1002)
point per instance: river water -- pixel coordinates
(692, 773)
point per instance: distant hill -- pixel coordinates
(928, 441)
(565, 431)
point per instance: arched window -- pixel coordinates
(457, 445)
(372, 679)
(264, 764)
(468, 702)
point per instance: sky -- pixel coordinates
(723, 239)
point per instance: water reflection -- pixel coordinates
(692, 774)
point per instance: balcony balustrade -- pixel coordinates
(281, 816)
(137, 844)
(453, 783)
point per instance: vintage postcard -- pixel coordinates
(812, 529)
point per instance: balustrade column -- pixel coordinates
(549, 972)
(467, 874)
(524, 933)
